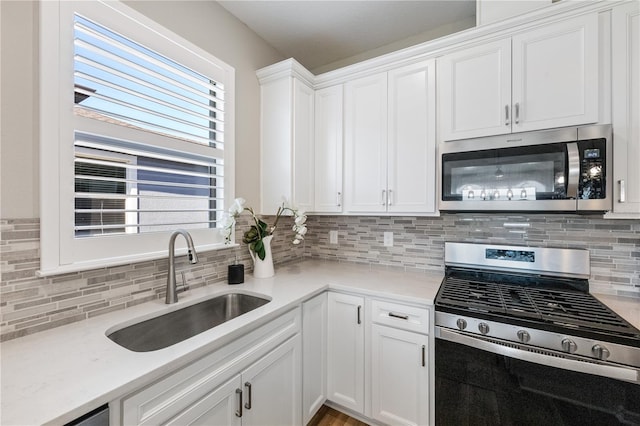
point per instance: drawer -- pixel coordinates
(398, 315)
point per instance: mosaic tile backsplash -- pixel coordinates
(30, 304)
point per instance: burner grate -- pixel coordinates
(566, 308)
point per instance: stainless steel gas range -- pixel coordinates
(520, 340)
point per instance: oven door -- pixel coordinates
(483, 381)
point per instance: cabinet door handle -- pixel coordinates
(390, 197)
(384, 197)
(424, 356)
(339, 199)
(359, 311)
(399, 316)
(517, 112)
(247, 404)
(623, 191)
(506, 115)
(239, 396)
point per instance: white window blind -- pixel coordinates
(128, 187)
(136, 137)
(123, 82)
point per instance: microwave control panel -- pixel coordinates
(592, 185)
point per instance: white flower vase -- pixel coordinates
(263, 268)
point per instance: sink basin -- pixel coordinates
(176, 326)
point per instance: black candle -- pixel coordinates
(236, 274)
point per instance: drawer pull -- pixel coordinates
(247, 404)
(399, 316)
(239, 396)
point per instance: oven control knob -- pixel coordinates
(569, 345)
(483, 327)
(524, 336)
(600, 352)
(461, 323)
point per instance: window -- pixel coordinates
(136, 137)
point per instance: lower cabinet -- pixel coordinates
(264, 394)
(256, 379)
(345, 351)
(399, 376)
(271, 388)
(314, 358)
(378, 359)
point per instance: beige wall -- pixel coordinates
(204, 23)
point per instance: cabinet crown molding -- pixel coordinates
(287, 68)
(434, 48)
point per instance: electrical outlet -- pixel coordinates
(333, 237)
(388, 239)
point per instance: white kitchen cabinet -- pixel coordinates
(399, 376)
(211, 389)
(625, 44)
(286, 137)
(345, 351)
(541, 78)
(314, 358)
(390, 141)
(378, 359)
(366, 144)
(400, 367)
(328, 150)
(411, 151)
(272, 391)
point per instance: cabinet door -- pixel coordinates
(314, 357)
(474, 91)
(276, 115)
(555, 75)
(286, 132)
(411, 141)
(272, 387)
(626, 108)
(399, 376)
(345, 351)
(366, 144)
(219, 408)
(303, 149)
(328, 150)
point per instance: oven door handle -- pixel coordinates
(615, 372)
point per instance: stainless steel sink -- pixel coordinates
(173, 327)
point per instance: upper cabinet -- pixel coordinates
(328, 150)
(287, 135)
(390, 141)
(625, 42)
(545, 77)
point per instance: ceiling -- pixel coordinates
(318, 33)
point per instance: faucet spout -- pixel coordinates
(172, 291)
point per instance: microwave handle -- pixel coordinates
(573, 162)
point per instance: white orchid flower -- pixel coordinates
(300, 220)
(237, 207)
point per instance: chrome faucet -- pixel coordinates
(172, 291)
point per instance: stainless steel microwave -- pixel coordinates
(552, 170)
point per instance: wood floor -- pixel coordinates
(327, 416)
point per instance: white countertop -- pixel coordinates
(57, 375)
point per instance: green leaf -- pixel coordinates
(259, 249)
(263, 228)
